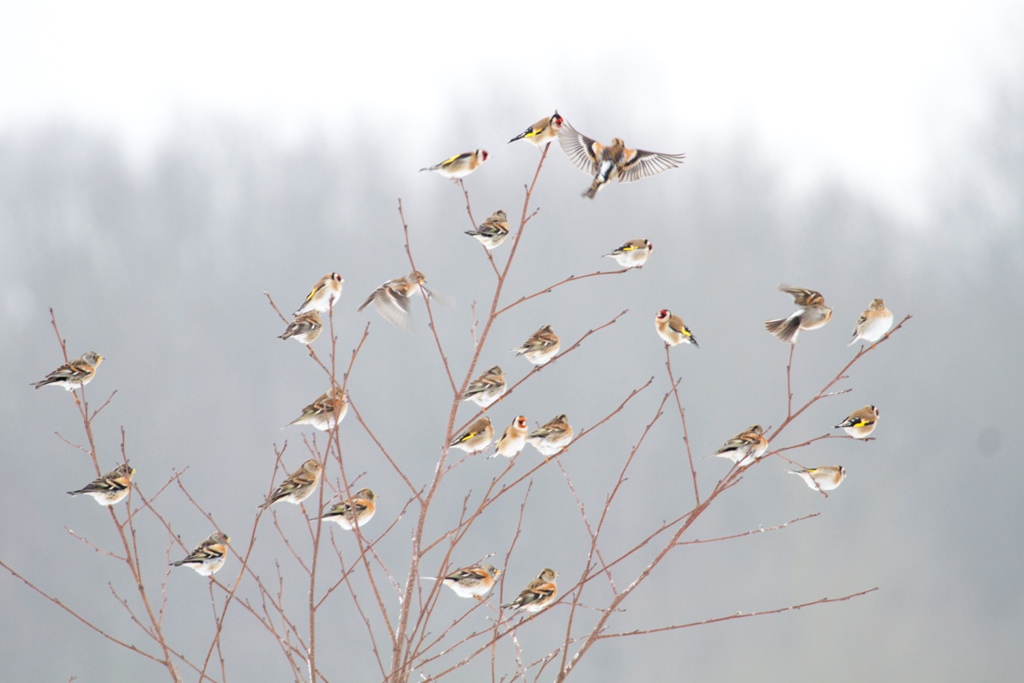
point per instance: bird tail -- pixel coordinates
(784, 329)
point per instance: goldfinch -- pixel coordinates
(542, 132)
(813, 314)
(325, 292)
(538, 594)
(492, 231)
(606, 163)
(74, 374)
(633, 254)
(513, 440)
(354, 511)
(873, 323)
(460, 165)
(111, 488)
(672, 329)
(860, 423)
(745, 448)
(304, 328)
(822, 478)
(487, 388)
(541, 347)
(552, 437)
(325, 412)
(476, 437)
(208, 556)
(299, 485)
(391, 299)
(472, 582)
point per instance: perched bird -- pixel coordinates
(873, 323)
(745, 448)
(542, 132)
(354, 511)
(860, 423)
(111, 488)
(492, 231)
(633, 254)
(391, 299)
(813, 314)
(487, 388)
(552, 437)
(822, 478)
(476, 437)
(472, 582)
(208, 556)
(540, 347)
(325, 412)
(325, 292)
(74, 374)
(672, 329)
(304, 328)
(513, 440)
(606, 163)
(460, 165)
(299, 485)
(538, 594)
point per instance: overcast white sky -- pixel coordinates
(865, 91)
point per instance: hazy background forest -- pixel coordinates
(155, 241)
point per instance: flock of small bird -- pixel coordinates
(393, 301)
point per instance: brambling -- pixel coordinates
(632, 254)
(552, 437)
(325, 412)
(487, 388)
(513, 440)
(672, 329)
(74, 374)
(538, 594)
(111, 488)
(813, 314)
(492, 231)
(745, 448)
(208, 556)
(542, 132)
(472, 582)
(822, 478)
(860, 423)
(299, 485)
(325, 292)
(304, 328)
(540, 347)
(460, 165)
(391, 299)
(476, 437)
(873, 323)
(608, 162)
(352, 512)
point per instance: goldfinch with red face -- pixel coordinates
(111, 488)
(541, 347)
(614, 161)
(207, 557)
(73, 374)
(460, 165)
(472, 582)
(354, 511)
(325, 292)
(542, 132)
(813, 314)
(873, 323)
(672, 329)
(493, 231)
(299, 485)
(822, 478)
(632, 254)
(860, 423)
(513, 440)
(538, 594)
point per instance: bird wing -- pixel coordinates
(644, 164)
(582, 151)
